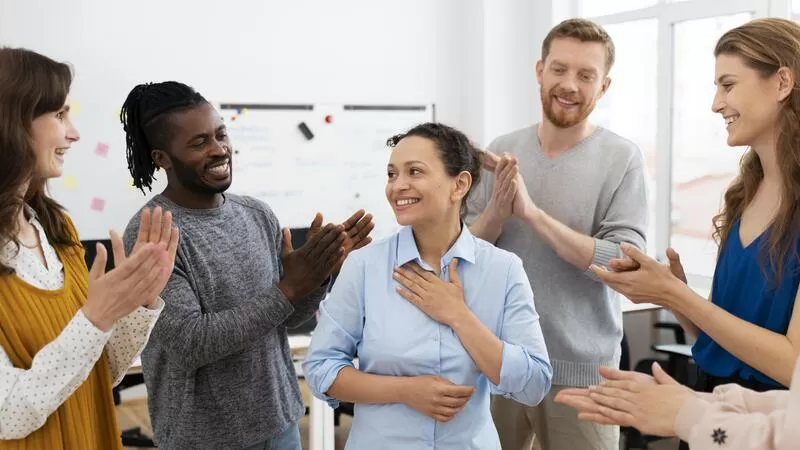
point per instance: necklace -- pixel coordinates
(34, 246)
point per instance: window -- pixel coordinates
(684, 143)
(591, 8)
(703, 165)
(629, 106)
(796, 9)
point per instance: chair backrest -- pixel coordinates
(91, 252)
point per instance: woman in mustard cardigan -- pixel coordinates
(56, 317)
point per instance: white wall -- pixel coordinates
(309, 51)
(474, 58)
(250, 50)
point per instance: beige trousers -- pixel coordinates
(548, 426)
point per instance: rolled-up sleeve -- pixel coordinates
(526, 374)
(338, 332)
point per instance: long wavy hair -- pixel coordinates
(766, 45)
(30, 85)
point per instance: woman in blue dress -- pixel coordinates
(438, 318)
(749, 331)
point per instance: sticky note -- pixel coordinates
(101, 149)
(75, 107)
(244, 113)
(98, 204)
(118, 114)
(70, 181)
(132, 186)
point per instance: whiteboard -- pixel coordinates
(340, 169)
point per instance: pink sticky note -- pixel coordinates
(98, 204)
(101, 149)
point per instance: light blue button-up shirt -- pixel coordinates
(365, 316)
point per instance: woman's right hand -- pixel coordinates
(115, 294)
(436, 397)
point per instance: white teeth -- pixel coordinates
(407, 201)
(730, 120)
(219, 170)
(565, 102)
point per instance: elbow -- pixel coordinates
(319, 377)
(538, 387)
(533, 384)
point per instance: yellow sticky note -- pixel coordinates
(75, 108)
(244, 113)
(132, 186)
(117, 113)
(70, 181)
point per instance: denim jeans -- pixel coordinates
(287, 440)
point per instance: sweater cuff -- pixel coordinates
(690, 414)
(605, 251)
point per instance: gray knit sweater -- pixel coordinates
(218, 367)
(596, 188)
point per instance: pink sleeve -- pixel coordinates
(739, 399)
(707, 425)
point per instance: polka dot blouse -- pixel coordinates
(28, 397)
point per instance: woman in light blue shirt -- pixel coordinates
(439, 319)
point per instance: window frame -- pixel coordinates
(668, 15)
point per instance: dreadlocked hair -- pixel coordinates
(145, 116)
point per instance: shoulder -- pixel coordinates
(247, 202)
(253, 208)
(619, 148)
(69, 227)
(495, 259)
(132, 229)
(507, 142)
(378, 250)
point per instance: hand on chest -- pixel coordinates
(402, 339)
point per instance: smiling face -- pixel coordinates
(418, 187)
(199, 155)
(52, 134)
(749, 103)
(572, 78)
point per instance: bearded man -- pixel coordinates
(563, 195)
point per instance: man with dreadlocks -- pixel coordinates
(218, 369)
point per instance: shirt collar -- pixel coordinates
(9, 250)
(31, 213)
(463, 248)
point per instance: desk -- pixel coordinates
(629, 307)
(321, 428)
(681, 350)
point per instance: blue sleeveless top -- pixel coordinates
(741, 288)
